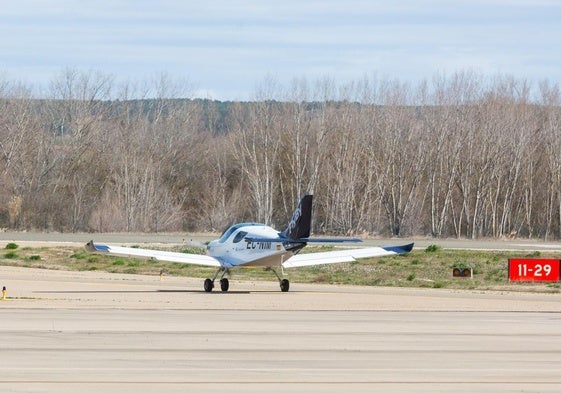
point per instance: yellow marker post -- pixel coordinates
(4, 293)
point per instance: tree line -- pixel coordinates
(461, 155)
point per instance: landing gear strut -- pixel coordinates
(284, 283)
(224, 283)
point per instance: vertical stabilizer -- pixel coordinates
(301, 222)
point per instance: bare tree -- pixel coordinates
(550, 99)
(466, 155)
(256, 141)
(26, 155)
(402, 157)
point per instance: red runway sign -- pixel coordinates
(521, 269)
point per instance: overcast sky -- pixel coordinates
(227, 47)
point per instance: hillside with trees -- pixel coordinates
(458, 156)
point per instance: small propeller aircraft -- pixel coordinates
(258, 245)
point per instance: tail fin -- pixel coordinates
(301, 222)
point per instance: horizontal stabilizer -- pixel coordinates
(330, 240)
(303, 240)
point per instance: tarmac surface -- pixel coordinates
(66, 331)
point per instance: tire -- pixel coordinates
(208, 285)
(284, 285)
(224, 284)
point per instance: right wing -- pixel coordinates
(321, 258)
(168, 256)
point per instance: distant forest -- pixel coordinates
(463, 155)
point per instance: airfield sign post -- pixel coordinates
(534, 270)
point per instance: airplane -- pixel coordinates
(258, 245)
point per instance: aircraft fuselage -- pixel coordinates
(235, 249)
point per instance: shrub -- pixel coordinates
(432, 248)
(535, 254)
(11, 246)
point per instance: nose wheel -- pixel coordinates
(283, 282)
(284, 285)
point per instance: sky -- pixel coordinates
(226, 48)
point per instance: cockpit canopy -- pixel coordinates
(228, 232)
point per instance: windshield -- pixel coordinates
(234, 228)
(239, 237)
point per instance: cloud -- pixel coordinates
(226, 46)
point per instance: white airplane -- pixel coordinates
(258, 245)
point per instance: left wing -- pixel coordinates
(157, 255)
(320, 258)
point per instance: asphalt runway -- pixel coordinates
(98, 332)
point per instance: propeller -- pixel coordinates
(194, 243)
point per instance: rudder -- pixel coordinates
(301, 222)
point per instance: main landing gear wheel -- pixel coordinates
(284, 285)
(224, 284)
(209, 285)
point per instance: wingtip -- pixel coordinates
(90, 246)
(408, 247)
(400, 249)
